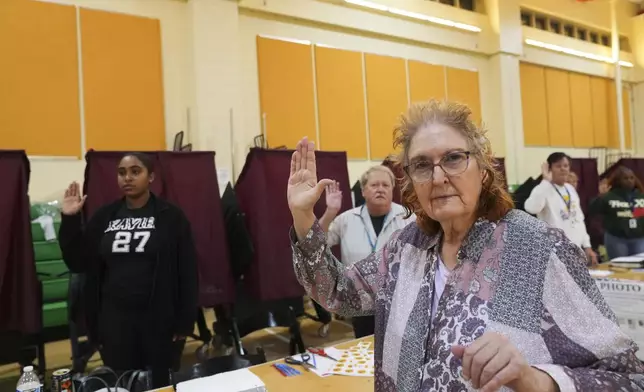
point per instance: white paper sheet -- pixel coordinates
(322, 365)
(628, 259)
(599, 273)
(242, 380)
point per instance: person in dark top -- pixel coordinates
(621, 208)
(140, 261)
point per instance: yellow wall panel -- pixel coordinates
(559, 107)
(386, 100)
(463, 87)
(122, 81)
(286, 93)
(534, 105)
(581, 111)
(39, 97)
(599, 98)
(341, 108)
(426, 81)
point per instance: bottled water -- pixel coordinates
(29, 381)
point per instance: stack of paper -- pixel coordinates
(242, 380)
(599, 273)
(628, 261)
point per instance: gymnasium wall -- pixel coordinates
(253, 25)
(140, 104)
(211, 85)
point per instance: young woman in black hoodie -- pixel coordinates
(622, 211)
(141, 268)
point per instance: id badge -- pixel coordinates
(632, 223)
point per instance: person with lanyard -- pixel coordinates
(621, 207)
(140, 262)
(557, 203)
(365, 229)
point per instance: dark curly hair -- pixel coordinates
(615, 180)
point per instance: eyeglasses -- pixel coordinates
(452, 164)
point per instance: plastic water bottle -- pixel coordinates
(29, 381)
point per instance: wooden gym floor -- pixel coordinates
(273, 340)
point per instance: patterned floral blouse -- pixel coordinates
(518, 277)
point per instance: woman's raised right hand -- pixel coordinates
(304, 190)
(73, 201)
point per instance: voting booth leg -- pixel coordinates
(296, 344)
(234, 330)
(204, 335)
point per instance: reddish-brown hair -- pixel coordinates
(494, 201)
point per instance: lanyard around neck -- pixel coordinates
(566, 202)
(366, 230)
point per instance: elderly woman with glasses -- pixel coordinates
(475, 295)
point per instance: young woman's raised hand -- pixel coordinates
(304, 190)
(73, 201)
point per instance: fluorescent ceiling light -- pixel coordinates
(414, 15)
(286, 39)
(575, 52)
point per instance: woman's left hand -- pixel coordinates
(492, 362)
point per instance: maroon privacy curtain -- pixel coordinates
(635, 164)
(500, 166)
(188, 180)
(399, 173)
(588, 188)
(261, 191)
(20, 300)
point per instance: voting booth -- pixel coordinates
(261, 191)
(19, 287)
(635, 164)
(20, 291)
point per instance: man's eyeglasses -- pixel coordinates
(452, 164)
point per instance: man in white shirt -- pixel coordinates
(557, 203)
(365, 229)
